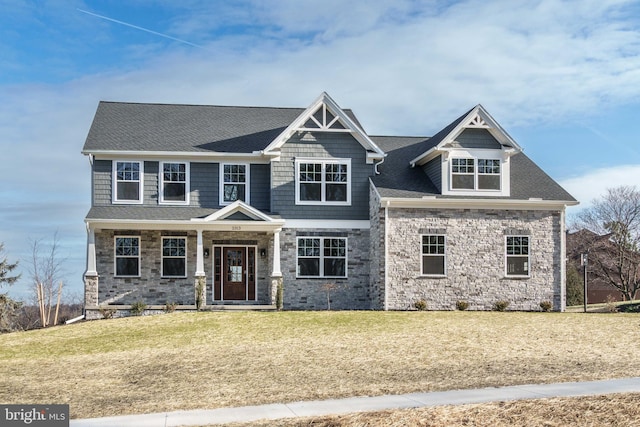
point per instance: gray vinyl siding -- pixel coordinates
(260, 190)
(476, 138)
(320, 145)
(151, 191)
(204, 185)
(102, 171)
(433, 169)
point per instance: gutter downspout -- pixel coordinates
(563, 261)
(375, 166)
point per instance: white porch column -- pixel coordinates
(91, 253)
(199, 255)
(276, 254)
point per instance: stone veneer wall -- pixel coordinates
(307, 294)
(475, 259)
(153, 289)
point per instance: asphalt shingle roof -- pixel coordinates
(398, 179)
(122, 126)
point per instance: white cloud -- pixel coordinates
(592, 185)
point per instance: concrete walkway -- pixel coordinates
(363, 404)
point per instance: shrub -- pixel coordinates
(500, 305)
(546, 306)
(420, 305)
(138, 307)
(610, 305)
(462, 305)
(107, 313)
(170, 307)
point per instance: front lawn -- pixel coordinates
(209, 360)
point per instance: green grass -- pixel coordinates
(208, 360)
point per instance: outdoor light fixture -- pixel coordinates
(263, 253)
(206, 253)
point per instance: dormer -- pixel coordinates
(470, 157)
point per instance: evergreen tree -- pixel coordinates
(575, 286)
(5, 269)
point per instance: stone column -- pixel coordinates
(91, 274)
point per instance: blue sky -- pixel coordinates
(562, 77)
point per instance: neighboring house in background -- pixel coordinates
(244, 198)
(586, 241)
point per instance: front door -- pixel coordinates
(234, 268)
(234, 278)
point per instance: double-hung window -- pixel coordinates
(323, 181)
(234, 183)
(322, 257)
(127, 256)
(488, 174)
(174, 183)
(517, 256)
(433, 255)
(127, 178)
(174, 257)
(475, 174)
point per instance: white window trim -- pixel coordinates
(114, 182)
(476, 154)
(187, 184)
(247, 183)
(321, 258)
(516, 276)
(115, 257)
(422, 255)
(323, 183)
(162, 257)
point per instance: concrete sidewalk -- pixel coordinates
(363, 404)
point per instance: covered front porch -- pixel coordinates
(226, 260)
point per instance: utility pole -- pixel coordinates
(584, 262)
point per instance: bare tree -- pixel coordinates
(614, 256)
(46, 273)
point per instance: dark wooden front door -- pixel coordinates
(234, 273)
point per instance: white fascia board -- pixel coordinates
(327, 224)
(237, 206)
(188, 225)
(441, 203)
(424, 157)
(254, 157)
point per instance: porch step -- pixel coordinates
(240, 307)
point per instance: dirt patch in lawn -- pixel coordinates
(616, 410)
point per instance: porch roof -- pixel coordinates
(176, 217)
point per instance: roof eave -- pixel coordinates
(446, 203)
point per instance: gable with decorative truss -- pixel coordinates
(476, 118)
(324, 119)
(324, 115)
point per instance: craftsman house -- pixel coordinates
(224, 206)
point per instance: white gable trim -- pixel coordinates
(373, 151)
(235, 207)
(477, 118)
